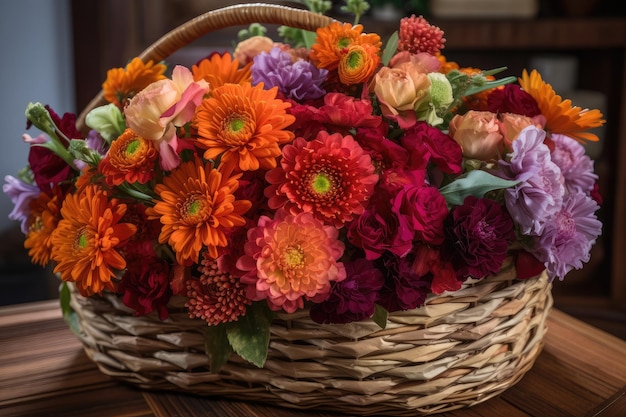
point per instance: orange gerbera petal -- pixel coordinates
(131, 158)
(561, 116)
(87, 238)
(45, 214)
(221, 69)
(334, 38)
(244, 125)
(197, 207)
(123, 83)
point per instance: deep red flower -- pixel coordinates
(428, 261)
(145, 286)
(527, 265)
(404, 289)
(352, 299)
(341, 113)
(429, 144)
(425, 210)
(478, 233)
(48, 169)
(512, 99)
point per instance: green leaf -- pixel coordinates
(475, 183)
(69, 315)
(309, 38)
(250, 335)
(380, 316)
(390, 48)
(217, 347)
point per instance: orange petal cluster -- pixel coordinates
(122, 84)
(130, 158)
(221, 69)
(333, 40)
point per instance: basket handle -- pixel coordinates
(240, 14)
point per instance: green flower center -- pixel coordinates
(83, 239)
(236, 124)
(132, 147)
(343, 43)
(321, 183)
(354, 60)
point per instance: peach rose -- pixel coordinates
(247, 49)
(511, 124)
(478, 133)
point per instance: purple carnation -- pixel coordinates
(568, 236)
(298, 80)
(539, 193)
(575, 164)
(479, 233)
(21, 194)
(352, 299)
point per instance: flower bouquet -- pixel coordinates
(324, 221)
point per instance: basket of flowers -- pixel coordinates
(332, 223)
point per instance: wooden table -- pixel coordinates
(44, 372)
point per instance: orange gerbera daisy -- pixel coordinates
(334, 38)
(196, 208)
(221, 69)
(45, 215)
(131, 158)
(244, 125)
(561, 116)
(87, 240)
(122, 84)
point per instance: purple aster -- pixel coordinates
(298, 80)
(352, 299)
(576, 166)
(21, 194)
(539, 193)
(568, 236)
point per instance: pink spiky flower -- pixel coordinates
(417, 35)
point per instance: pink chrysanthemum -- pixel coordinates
(331, 177)
(417, 35)
(291, 258)
(217, 296)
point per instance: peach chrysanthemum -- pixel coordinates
(561, 116)
(332, 41)
(331, 177)
(216, 297)
(244, 125)
(44, 217)
(196, 208)
(290, 259)
(122, 84)
(130, 158)
(221, 69)
(87, 240)
(358, 63)
(417, 35)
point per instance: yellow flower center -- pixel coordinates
(293, 257)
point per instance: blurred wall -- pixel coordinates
(36, 65)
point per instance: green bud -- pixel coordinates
(40, 118)
(440, 90)
(106, 120)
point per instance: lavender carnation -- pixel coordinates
(21, 194)
(575, 164)
(298, 80)
(568, 236)
(539, 193)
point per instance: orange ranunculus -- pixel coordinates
(334, 38)
(358, 63)
(122, 84)
(478, 133)
(131, 158)
(512, 124)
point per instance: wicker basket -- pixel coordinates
(458, 350)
